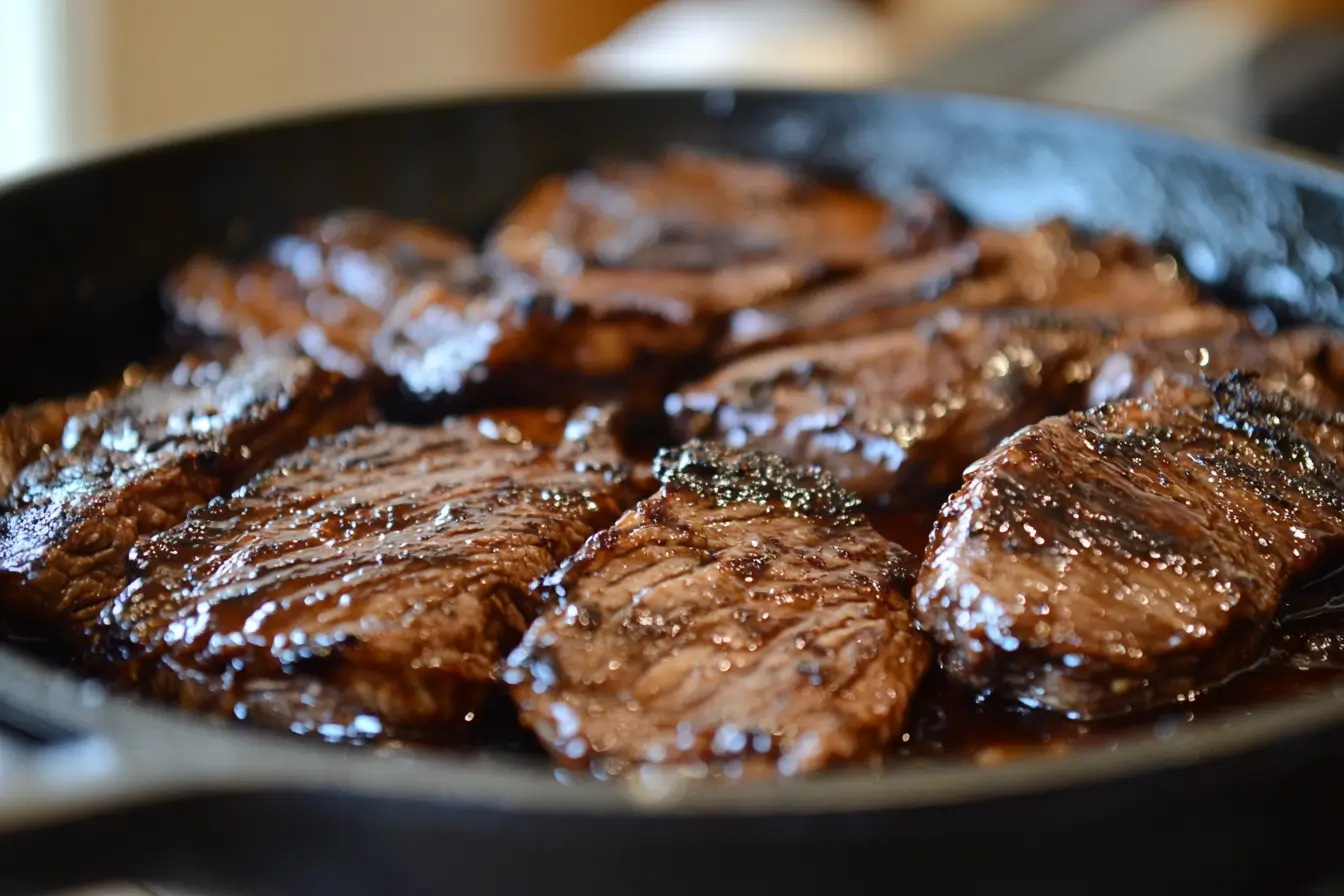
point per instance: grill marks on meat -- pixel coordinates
(1050, 267)
(705, 233)
(1124, 557)
(135, 464)
(324, 288)
(743, 617)
(367, 585)
(895, 416)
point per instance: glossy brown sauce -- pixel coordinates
(949, 720)
(1305, 659)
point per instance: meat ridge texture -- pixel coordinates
(134, 464)
(1132, 555)
(324, 289)
(365, 587)
(1051, 267)
(743, 620)
(896, 416)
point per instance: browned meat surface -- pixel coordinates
(896, 416)
(517, 344)
(1131, 555)
(1048, 267)
(743, 617)
(1297, 361)
(891, 295)
(324, 288)
(135, 464)
(703, 233)
(366, 586)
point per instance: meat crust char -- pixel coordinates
(324, 289)
(1121, 558)
(366, 586)
(742, 618)
(1301, 361)
(135, 464)
(610, 283)
(707, 232)
(895, 416)
(1050, 267)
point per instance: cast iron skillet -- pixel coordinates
(93, 786)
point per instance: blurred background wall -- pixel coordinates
(79, 74)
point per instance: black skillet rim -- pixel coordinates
(145, 753)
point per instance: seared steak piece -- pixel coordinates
(135, 464)
(896, 416)
(365, 586)
(1120, 558)
(706, 233)
(1047, 268)
(324, 288)
(1296, 361)
(515, 343)
(743, 617)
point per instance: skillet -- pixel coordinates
(94, 786)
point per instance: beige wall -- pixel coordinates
(173, 63)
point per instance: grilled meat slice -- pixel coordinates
(707, 233)
(891, 295)
(365, 586)
(1118, 559)
(896, 416)
(1298, 361)
(743, 617)
(1050, 267)
(324, 288)
(135, 464)
(518, 344)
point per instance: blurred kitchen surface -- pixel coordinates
(77, 75)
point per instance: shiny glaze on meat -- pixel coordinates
(743, 619)
(516, 342)
(702, 232)
(1050, 267)
(1301, 361)
(895, 416)
(366, 586)
(135, 464)
(1118, 559)
(324, 288)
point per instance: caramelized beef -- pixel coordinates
(515, 343)
(366, 586)
(324, 288)
(896, 416)
(742, 618)
(1131, 555)
(1296, 361)
(1046, 268)
(704, 233)
(135, 464)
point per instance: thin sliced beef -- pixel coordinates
(1298, 361)
(1050, 267)
(366, 586)
(135, 464)
(518, 344)
(708, 233)
(324, 288)
(742, 618)
(1128, 556)
(896, 416)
